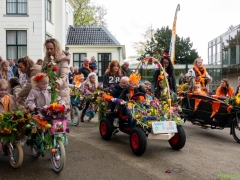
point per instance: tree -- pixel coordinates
(146, 46)
(89, 14)
(184, 52)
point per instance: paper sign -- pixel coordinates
(164, 127)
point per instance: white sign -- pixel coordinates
(164, 127)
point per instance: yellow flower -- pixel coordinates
(149, 123)
(164, 93)
(14, 129)
(48, 126)
(1, 116)
(169, 100)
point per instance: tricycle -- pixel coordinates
(210, 112)
(150, 127)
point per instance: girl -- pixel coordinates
(198, 89)
(224, 90)
(7, 101)
(113, 75)
(90, 86)
(5, 72)
(15, 88)
(39, 95)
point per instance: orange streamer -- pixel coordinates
(107, 97)
(197, 101)
(215, 107)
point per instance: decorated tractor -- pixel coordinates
(142, 119)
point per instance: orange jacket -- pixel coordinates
(220, 93)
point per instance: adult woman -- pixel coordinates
(62, 59)
(167, 65)
(113, 75)
(224, 90)
(27, 66)
(5, 72)
(200, 74)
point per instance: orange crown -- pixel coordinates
(39, 76)
(160, 77)
(134, 78)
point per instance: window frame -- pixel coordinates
(49, 10)
(16, 43)
(102, 67)
(80, 61)
(17, 3)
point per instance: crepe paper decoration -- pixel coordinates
(215, 107)
(197, 101)
(229, 109)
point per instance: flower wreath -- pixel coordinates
(40, 76)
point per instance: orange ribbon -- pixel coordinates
(215, 107)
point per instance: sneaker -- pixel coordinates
(115, 131)
(23, 141)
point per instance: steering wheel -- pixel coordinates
(138, 94)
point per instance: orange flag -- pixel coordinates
(197, 101)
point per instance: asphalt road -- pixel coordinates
(208, 154)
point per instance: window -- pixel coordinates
(16, 6)
(103, 62)
(225, 57)
(78, 59)
(48, 10)
(16, 44)
(233, 55)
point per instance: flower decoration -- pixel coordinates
(181, 88)
(38, 77)
(13, 124)
(234, 100)
(54, 111)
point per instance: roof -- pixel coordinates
(90, 35)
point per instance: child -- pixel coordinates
(90, 86)
(116, 92)
(7, 101)
(15, 88)
(132, 89)
(39, 96)
(161, 92)
(93, 64)
(198, 89)
(78, 79)
(148, 87)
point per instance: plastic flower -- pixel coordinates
(54, 68)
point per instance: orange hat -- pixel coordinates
(134, 78)
(160, 77)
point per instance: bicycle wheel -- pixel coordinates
(58, 157)
(16, 156)
(75, 115)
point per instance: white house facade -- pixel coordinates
(97, 41)
(26, 24)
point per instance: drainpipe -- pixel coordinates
(118, 48)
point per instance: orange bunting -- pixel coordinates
(107, 97)
(229, 109)
(197, 101)
(215, 107)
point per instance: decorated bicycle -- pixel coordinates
(49, 127)
(13, 126)
(142, 119)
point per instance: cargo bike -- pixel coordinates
(211, 112)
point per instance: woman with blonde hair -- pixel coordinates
(62, 59)
(200, 74)
(113, 75)
(5, 72)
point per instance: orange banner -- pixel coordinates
(197, 101)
